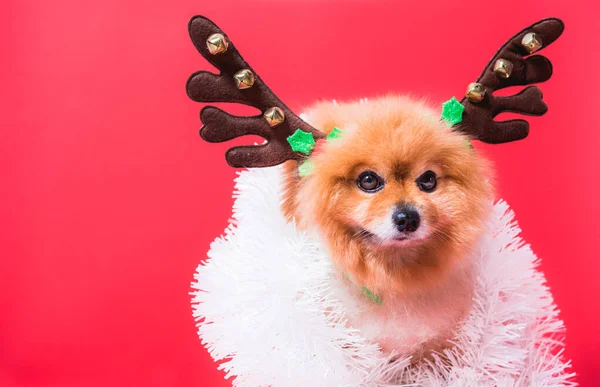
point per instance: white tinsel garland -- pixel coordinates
(261, 299)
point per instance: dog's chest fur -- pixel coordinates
(411, 324)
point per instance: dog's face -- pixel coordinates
(397, 194)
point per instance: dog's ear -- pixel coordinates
(513, 65)
(287, 136)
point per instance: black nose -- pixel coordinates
(406, 219)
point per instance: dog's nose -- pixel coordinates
(406, 219)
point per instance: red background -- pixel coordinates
(110, 199)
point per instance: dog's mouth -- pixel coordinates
(398, 240)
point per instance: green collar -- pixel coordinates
(368, 293)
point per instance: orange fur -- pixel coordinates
(399, 139)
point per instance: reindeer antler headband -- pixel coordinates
(290, 138)
(238, 83)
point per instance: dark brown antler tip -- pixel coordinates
(548, 29)
(223, 58)
(220, 126)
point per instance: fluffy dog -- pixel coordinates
(400, 201)
(400, 198)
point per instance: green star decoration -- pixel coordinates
(335, 133)
(452, 111)
(301, 141)
(306, 168)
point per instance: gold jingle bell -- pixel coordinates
(503, 68)
(274, 116)
(475, 92)
(532, 42)
(244, 79)
(216, 44)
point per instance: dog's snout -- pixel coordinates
(406, 219)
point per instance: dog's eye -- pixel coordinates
(369, 182)
(427, 181)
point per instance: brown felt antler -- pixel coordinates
(238, 83)
(509, 68)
